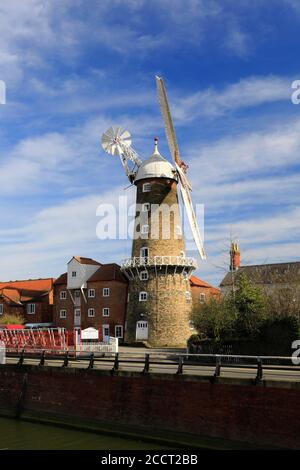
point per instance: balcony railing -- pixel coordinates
(138, 262)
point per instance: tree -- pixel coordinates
(248, 303)
(11, 319)
(213, 319)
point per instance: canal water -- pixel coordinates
(21, 435)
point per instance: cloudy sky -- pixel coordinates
(72, 68)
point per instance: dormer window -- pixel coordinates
(146, 187)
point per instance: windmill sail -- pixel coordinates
(185, 186)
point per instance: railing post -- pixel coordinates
(218, 367)
(180, 365)
(147, 364)
(66, 359)
(21, 358)
(42, 361)
(259, 373)
(92, 360)
(116, 363)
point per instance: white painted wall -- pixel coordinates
(83, 273)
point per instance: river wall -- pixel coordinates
(265, 414)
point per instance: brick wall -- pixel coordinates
(264, 415)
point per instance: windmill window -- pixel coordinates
(146, 187)
(145, 229)
(144, 252)
(74, 274)
(146, 207)
(144, 275)
(143, 296)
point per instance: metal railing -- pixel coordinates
(137, 262)
(204, 365)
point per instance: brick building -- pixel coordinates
(31, 299)
(202, 291)
(91, 294)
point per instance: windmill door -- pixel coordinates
(141, 330)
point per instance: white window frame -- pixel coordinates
(63, 295)
(144, 278)
(30, 309)
(146, 187)
(61, 314)
(142, 255)
(91, 293)
(121, 328)
(74, 273)
(91, 312)
(188, 296)
(104, 290)
(146, 207)
(202, 297)
(105, 312)
(1, 309)
(145, 229)
(143, 296)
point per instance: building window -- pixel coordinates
(30, 309)
(145, 229)
(105, 312)
(143, 296)
(105, 292)
(91, 312)
(1, 309)
(144, 275)
(91, 293)
(119, 331)
(74, 274)
(63, 314)
(202, 298)
(146, 207)
(77, 293)
(63, 295)
(178, 230)
(188, 296)
(146, 187)
(144, 252)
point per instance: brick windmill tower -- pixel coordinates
(159, 299)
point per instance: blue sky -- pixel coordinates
(73, 67)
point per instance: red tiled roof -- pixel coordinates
(30, 284)
(108, 272)
(62, 279)
(195, 281)
(83, 260)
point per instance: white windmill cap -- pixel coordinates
(156, 166)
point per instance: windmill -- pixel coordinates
(159, 294)
(185, 186)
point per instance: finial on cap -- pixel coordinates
(155, 145)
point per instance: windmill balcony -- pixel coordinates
(154, 261)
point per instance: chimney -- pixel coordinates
(235, 257)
